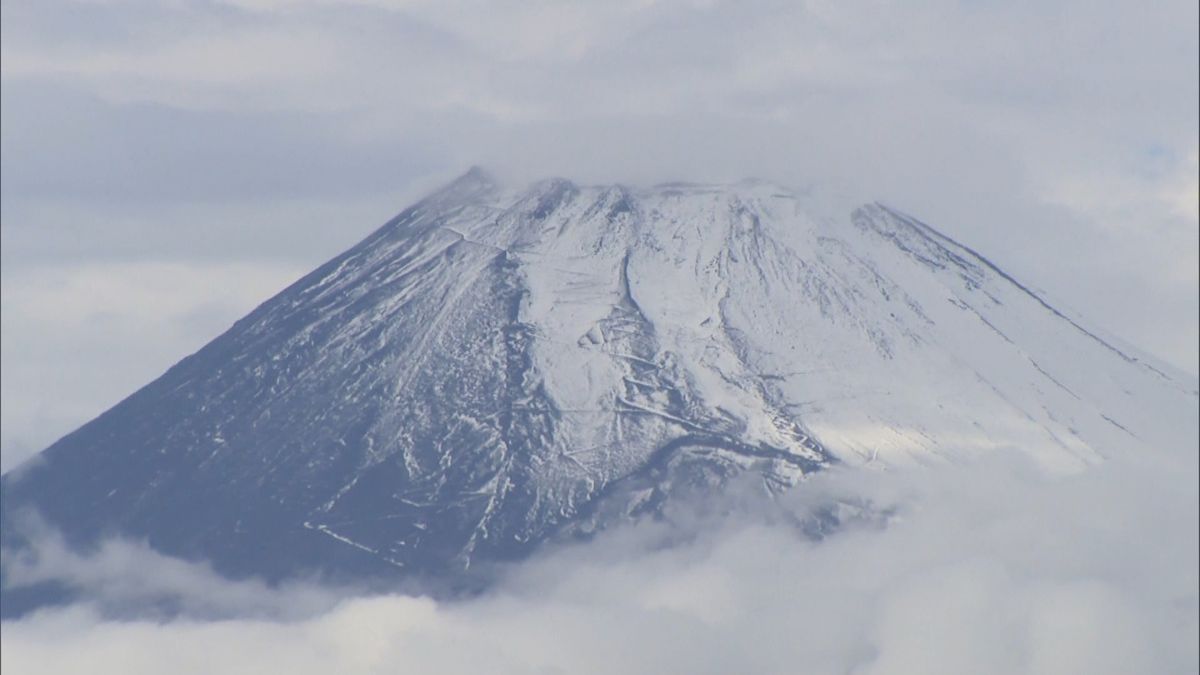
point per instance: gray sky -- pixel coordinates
(168, 165)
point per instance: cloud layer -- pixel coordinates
(991, 567)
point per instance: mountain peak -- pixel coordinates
(496, 367)
(477, 175)
(475, 181)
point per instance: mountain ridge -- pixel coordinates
(494, 365)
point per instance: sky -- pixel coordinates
(167, 165)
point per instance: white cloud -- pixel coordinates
(120, 574)
(1182, 190)
(986, 568)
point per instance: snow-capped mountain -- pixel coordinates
(496, 365)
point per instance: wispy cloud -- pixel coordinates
(991, 567)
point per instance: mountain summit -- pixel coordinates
(493, 366)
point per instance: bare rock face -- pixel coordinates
(495, 366)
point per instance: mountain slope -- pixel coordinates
(496, 365)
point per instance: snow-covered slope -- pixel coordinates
(496, 365)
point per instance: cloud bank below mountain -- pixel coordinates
(268, 134)
(990, 567)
